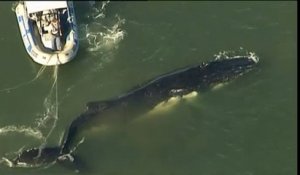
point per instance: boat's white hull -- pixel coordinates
(55, 58)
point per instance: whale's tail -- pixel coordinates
(44, 157)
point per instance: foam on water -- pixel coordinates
(27, 131)
(236, 54)
(38, 74)
(99, 35)
(14, 5)
(45, 123)
(50, 116)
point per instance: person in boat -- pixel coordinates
(54, 26)
(46, 22)
(50, 23)
(55, 31)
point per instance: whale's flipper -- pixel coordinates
(73, 162)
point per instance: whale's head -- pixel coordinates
(222, 70)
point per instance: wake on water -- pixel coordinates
(98, 37)
(44, 124)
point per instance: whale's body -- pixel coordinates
(141, 99)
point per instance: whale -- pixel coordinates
(140, 99)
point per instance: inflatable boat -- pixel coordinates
(48, 30)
